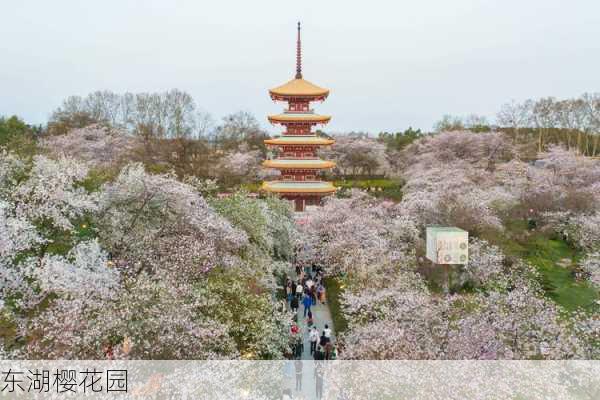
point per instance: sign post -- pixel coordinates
(447, 246)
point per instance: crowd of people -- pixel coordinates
(308, 291)
(318, 375)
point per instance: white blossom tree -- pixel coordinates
(96, 145)
(591, 266)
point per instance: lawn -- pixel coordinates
(368, 183)
(559, 281)
(384, 188)
(547, 253)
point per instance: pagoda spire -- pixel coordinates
(298, 56)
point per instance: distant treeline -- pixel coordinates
(175, 134)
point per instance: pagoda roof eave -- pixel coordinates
(277, 97)
(299, 118)
(290, 140)
(299, 88)
(317, 187)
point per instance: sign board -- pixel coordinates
(447, 245)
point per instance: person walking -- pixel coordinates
(321, 293)
(299, 290)
(310, 282)
(328, 350)
(299, 346)
(314, 339)
(288, 291)
(322, 341)
(298, 366)
(307, 302)
(294, 304)
(309, 320)
(327, 332)
(319, 372)
(318, 355)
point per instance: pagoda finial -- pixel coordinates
(298, 56)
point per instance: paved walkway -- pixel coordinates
(321, 316)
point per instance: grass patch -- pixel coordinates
(559, 281)
(546, 253)
(382, 188)
(334, 292)
(368, 183)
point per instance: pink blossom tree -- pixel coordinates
(96, 145)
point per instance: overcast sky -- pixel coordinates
(389, 64)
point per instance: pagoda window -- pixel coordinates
(288, 177)
(289, 154)
(310, 177)
(308, 154)
(302, 107)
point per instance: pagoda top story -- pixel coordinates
(299, 88)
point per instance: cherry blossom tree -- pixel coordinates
(155, 221)
(37, 201)
(519, 324)
(451, 180)
(481, 149)
(353, 235)
(138, 282)
(358, 155)
(51, 192)
(591, 266)
(562, 180)
(153, 318)
(239, 164)
(17, 234)
(96, 145)
(408, 324)
(582, 230)
(83, 272)
(485, 263)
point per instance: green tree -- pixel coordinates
(17, 136)
(399, 140)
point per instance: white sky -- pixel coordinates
(389, 64)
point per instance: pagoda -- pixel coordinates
(297, 161)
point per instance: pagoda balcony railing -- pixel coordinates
(309, 111)
(295, 158)
(284, 157)
(280, 178)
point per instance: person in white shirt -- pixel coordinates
(299, 290)
(327, 332)
(314, 338)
